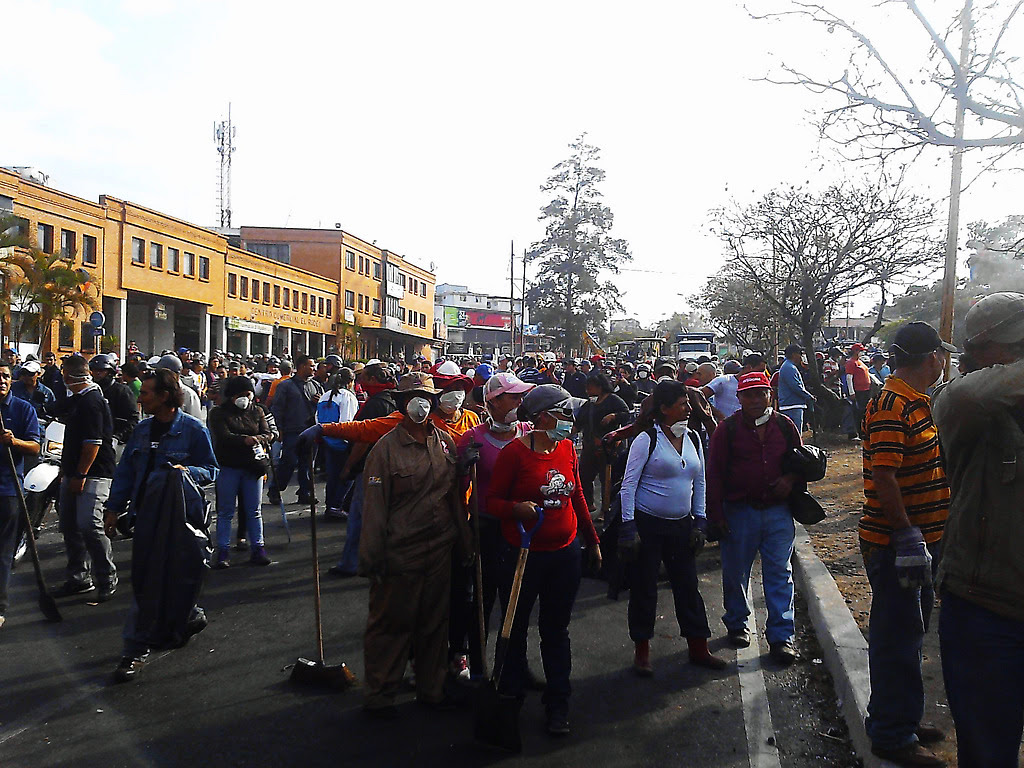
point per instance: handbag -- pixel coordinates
(808, 462)
(805, 508)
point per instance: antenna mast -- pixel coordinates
(224, 137)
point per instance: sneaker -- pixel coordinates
(910, 755)
(223, 559)
(197, 622)
(259, 556)
(784, 652)
(70, 588)
(739, 638)
(106, 593)
(340, 573)
(333, 513)
(557, 724)
(128, 669)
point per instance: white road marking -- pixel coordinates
(757, 717)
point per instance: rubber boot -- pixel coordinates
(701, 656)
(642, 658)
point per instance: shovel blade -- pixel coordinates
(337, 677)
(497, 719)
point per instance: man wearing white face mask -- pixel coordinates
(412, 519)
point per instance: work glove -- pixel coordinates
(913, 560)
(698, 533)
(469, 457)
(629, 542)
(311, 435)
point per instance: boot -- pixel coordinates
(642, 658)
(701, 656)
(259, 556)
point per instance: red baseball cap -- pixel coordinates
(753, 380)
(857, 347)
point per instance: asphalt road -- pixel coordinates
(225, 699)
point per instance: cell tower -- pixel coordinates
(224, 138)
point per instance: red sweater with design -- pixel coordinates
(549, 480)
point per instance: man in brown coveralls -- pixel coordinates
(412, 517)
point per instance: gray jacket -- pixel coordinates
(294, 405)
(982, 557)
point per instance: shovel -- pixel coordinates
(474, 508)
(316, 673)
(497, 715)
(46, 602)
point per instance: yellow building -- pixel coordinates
(165, 283)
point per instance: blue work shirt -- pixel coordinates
(792, 392)
(20, 418)
(42, 399)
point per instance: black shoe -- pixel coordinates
(739, 638)
(339, 572)
(557, 725)
(910, 755)
(784, 652)
(387, 712)
(106, 593)
(71, 588)
(196, 622)
(128, 669)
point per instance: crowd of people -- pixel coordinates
(684, 452)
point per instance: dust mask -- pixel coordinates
(417, 409)
(450, 402)
(761, 420)
(679, 428)
(243, 402)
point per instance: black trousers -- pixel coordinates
(592, 464)
(665, 541)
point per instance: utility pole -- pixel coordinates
(522, 311)
(224, 137)
(949, 275)
(512, 294)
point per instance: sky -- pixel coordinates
(429, 127)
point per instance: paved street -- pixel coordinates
(225, 699)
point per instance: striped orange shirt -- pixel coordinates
(899, 433)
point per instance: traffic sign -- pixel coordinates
(98, 331)
(96, 319)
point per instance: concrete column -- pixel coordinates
(219, 333)
(248, 342)
(305, 336)
(120, 323)
(204, 331)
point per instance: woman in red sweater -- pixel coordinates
(541, 469)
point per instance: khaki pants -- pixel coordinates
(408, 611)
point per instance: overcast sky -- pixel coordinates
(429, 127)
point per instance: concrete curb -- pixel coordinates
(843, 647)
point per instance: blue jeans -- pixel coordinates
(10, 515)
(983, 668)
(796, 415)
(769, 531)
(290, 460)
(334, 463)
(247, 488)
(898, 623)
(349, 561)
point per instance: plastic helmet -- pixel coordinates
(333, 360)
(102, 362)
(547, 397)
(170, 362)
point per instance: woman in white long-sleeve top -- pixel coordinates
(663, 520)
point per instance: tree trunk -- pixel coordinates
(879, 321)
(829, 407)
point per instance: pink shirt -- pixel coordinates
(490, 447)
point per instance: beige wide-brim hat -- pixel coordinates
(417, 382)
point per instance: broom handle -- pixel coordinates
(316, 561)
(513, 598)
(474, 509)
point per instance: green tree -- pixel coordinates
(726, 299)
(568, 295)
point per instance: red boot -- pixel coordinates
(642, 658)
(701, 656)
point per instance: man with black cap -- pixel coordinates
(574, 382)
(793, 395)
(980, 416)
(906, 503)
(123, 406)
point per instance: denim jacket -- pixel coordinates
(187, 442)
(792, 392)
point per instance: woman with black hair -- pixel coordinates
(663, 521)
(603, 413)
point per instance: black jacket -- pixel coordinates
(229, 426)
(123, 408)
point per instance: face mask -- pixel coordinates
(506, 423)
(761, 420)
(562, 430)
(679, 428)
(242, 402)
(641, 374)
(417, 409)
(450, 402)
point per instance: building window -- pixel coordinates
(305, 302)
(44, 238)
(362, 263)
(156, 256)
(138, 250)
(401, 314)
(401, 279)
(423, 321)
(67, 244)
(376, 270)
(376, 307)
(295, 299)
(244, 286)
(359, 302)
(423, 289)
(350, 300)
(89, 250)
(277, 295)
(173, 260)
(350, 260)
(277, 251)
(287, 299)
(255, 290)
(391, 306)
(320, 304)
(188, 267)
(65, 335)
(330, 308)
(266, 292)
(204, 267)
(232, 284)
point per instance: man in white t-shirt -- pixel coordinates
(723, 389)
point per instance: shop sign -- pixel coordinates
(236, 324)
(160, 311)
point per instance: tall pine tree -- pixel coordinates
(568, 295)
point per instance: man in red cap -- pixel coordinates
(858, 383)
(747, 495)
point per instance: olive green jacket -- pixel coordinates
(983, 545)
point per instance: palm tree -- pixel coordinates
(12, 236)
(348, 342)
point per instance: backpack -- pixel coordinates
(329, 412)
